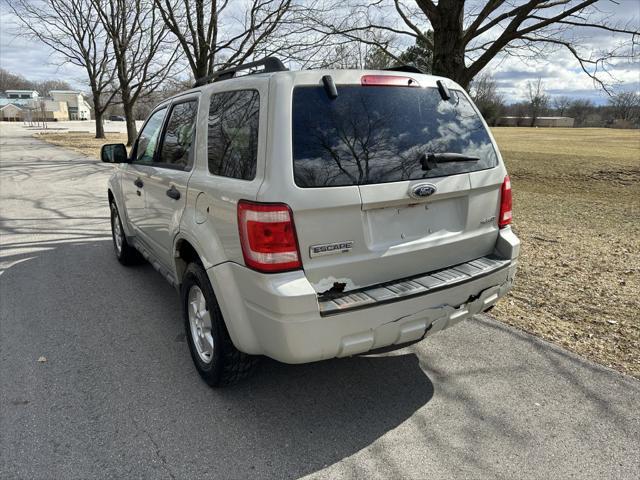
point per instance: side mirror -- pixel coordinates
(114, 153)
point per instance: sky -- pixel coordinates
(559, 71)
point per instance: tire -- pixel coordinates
(217, 360)
(125, 253)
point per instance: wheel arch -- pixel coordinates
(115, 196)
(184, 253)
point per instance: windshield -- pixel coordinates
(380, 134)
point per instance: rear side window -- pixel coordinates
(233, 134)
(175, 151)
(380, 134)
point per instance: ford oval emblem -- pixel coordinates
(422, 190)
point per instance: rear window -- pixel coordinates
(380, 134)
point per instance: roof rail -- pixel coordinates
(270, 64)
(404, 68)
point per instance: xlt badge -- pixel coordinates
(329, 248)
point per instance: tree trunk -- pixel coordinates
(448, 44)
(98, 109)
(127, 106)
(201, 69)
(99, 114)
(125, 93)
(131, 123)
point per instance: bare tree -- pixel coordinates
(42, 111)
(579, 110)
(468, 35)
(626, 106)
(561, 104)
(484, 91)
(11, 81)
(142, 54)
(376, 59)
(538, 100)
(72, 30)
(222, 33)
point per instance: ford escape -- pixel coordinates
(307, 215)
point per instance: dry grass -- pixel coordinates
(82, 142)
(577, 212)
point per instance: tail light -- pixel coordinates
(506, 213)
(268, 237)
(388, 80)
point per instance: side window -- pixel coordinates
(178, 137)
(148, 138)
(233, 134)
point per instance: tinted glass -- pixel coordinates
(179, 135)
(379, 134)
(233, 134)
(148, 138)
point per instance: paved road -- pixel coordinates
(119, 398)
(80, 126)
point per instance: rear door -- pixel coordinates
(393, 181)
(166, 182)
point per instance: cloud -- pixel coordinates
(31, 59)
(560, 72)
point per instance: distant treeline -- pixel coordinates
(12, 81)
(621, 111)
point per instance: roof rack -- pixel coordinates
(270, 64)
(404, 68)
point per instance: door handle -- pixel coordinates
(138, 183)
(173, 193)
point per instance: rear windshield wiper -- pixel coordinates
(430, 160)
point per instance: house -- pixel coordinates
(77, 107)
(59, 105)
(16, 104)
(22, 94)
(12, 113)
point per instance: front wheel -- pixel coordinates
(217, 360)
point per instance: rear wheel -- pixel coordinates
(125, 253)
(217, 360)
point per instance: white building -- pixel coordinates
(77, 107)
(59, 105)
(22, 94)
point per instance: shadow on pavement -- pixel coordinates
(119, 386)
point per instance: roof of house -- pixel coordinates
(10, 105)
(21, 91)
(25, 102)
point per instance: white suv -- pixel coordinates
(316, 214)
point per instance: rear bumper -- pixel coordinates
(281, 316)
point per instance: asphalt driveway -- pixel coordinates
(118, 396)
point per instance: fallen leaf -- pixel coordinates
(42, 360)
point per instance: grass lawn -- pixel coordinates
(577, 212)
(82, 142)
